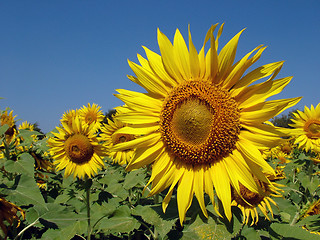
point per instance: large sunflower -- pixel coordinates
(200, 123)
(76, 148)
(307, 128)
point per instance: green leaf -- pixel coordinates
(294, 232)
(24, 165)
(62, 198)
(117, 190)
(206, 230)
(58, 215)
(65, 233)
(3, 129)
(122, 222)
(134, 178)
(250, 233)
(150, 216)
(105, 210)
(26, 192)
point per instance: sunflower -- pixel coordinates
(92, 115)
(8, 118)
(8, 213)
(248, 201)
(307, 128)
(111, 133)
(77, 149)
(26, 125)
(200, 124)
(68, 116)
(313, 209)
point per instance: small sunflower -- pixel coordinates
(307, 128)
(77, 149)
(8, 213)
(313, 209)
(92, 115)
(248, 201)
(69, 115)
(201, 122)
(8, 118)
(26, 126)
(112, 135)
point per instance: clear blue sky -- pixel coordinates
(60, 55)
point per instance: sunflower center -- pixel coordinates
(191, 121)
(199, 122)
(79, 148)
(312, 127)
(90, 118)
(250, 197)
(286, 149)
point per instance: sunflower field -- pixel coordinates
(195, 156)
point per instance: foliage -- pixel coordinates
(120, 208)
(283, 120)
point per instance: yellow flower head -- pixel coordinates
(201, 122)
(92, 115)
(8, 119)
(112, 135)
(249, 201)
(77, 149)
(307, 128)
(26, 125)
(68, 116)
(8, 213)
(314, 209)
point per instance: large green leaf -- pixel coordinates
(121, 222)
(210, 229)
(3, 129)
(26, 192)
(105, 210)
(134, 178)
(292, 232)
(58, 215)
(65, 233)
(24, 165)
(150, 216)
(250, 233)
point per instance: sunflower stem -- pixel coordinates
(156, 198)
(295, 219)
(87, 184)
(310, 171)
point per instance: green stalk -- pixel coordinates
(87, 184)
(310, 171)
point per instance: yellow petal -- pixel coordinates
(252, 153)
(199, 187)
(258, 93)
(148, 80)
(169, 63)
(156, 65)
(221, 182)
(193, 58)
(145, 156)
(227, 55)
(144, 141)
(185, 193)
(181, 55)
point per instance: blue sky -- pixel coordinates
(61, 55)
